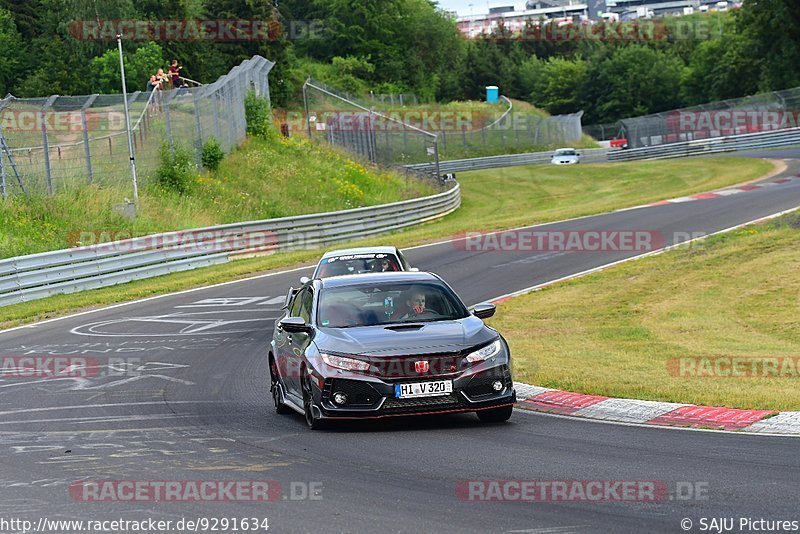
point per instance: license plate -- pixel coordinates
(423, 389)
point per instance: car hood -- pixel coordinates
(438, 336)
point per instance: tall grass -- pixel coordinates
(260, 180)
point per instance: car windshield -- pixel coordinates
(357, 264)
(565, 152)
(385, 304)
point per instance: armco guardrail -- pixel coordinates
(591, 155)
(716, 145)
(26, 278)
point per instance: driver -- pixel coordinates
(381, 265)
(415, 304)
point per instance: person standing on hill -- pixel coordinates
(175, 74)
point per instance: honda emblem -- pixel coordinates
(421, 366)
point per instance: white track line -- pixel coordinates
(637, 257)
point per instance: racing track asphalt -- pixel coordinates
(194, 404)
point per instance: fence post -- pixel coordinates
(2, 177)
(198, 127)
(45, 145)
(214, 104)
(436, 158)
(168, 126)
(305, 105)
(86, 149)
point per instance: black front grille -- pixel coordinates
(481, 384)
(358, 393)
(422, 404)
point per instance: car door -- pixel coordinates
(299, 341)
(283, 343)
(296, 342)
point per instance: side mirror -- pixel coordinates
(295, 325)
(413, 269)
(304, 280)
(483, 311)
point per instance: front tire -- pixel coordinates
(313, 422)
(275, 389)
(496, 415)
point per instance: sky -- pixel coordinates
(462, 6)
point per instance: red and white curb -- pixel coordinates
(655, 413)
(718, 193)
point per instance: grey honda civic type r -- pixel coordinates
(387, 344)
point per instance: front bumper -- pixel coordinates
(371, 397)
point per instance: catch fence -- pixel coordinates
(764, 112)
(51, 144)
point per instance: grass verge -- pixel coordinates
(262, 179)
(491, 200)
(668, 327)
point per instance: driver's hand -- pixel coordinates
(419, 310)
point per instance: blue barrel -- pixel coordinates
(492, 94)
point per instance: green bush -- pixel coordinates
(212, 154)
(257, 115)
(176, 170)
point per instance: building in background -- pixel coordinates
(514, 15)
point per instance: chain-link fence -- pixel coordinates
(514, 131)
(604, 132)
(53, 143)
(369, 134)
(414, 134)
(759, 113)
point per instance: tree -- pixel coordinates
(720, 69)
(139, 65)
(10, 48)
(629, 81)
(774, 28)
(558, 85)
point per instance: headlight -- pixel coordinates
(348, 364)
(485, 353)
